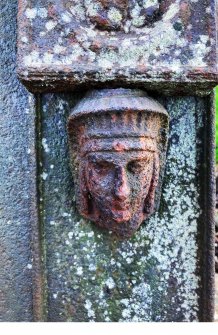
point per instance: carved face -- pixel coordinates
(117, 146)
(118, 183)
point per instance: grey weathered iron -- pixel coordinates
(118, 147)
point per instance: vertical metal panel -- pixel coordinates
(159, 274)
(17, 178)
(208, 193)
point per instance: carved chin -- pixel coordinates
(121, 216)
(123, 229)
(121, 222)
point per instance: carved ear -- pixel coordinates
(149, 201)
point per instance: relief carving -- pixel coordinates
(117, 144)
(114, 14)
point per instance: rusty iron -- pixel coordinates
(168, 46)
(118, 143)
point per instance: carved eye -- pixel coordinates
(101, 166)
(136, 166)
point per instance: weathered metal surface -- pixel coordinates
(165, 271)
(115, 14)
(208, 196)
(17, 179)
(118, 143)
(168, 45)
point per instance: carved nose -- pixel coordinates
(122, 190)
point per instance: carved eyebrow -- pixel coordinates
(99, 158)
(139, 159)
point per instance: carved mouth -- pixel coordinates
(120, 206)
(121, 215)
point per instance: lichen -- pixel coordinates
(165, 43)
(151, 277)
(114, 15)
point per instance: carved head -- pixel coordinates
(117, 144)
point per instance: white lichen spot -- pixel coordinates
(29, 266)
(150, 3)
(113, 261)
(42, 12)
(48, 58)
(42, 33)
(88, 307)
(24, 39)
(66, 17)
(31, 13)
(70, 235)
(129, 260)
(51, 24)
(138, 21)
(110, 283)
(65, 215)
(78, 11)
(79, 271)
(32, 59)
(171, 12)
(91, 234)
(92, 8)
(59, 49)
(208, 10)
(44, 175)
(45, 145)
(115, 15)
(125, 302)
(92, 267)
(126, 313)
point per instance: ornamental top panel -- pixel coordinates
(63, 44)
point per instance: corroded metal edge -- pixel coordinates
(208, 291)
(200, 84)
(38, 250)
